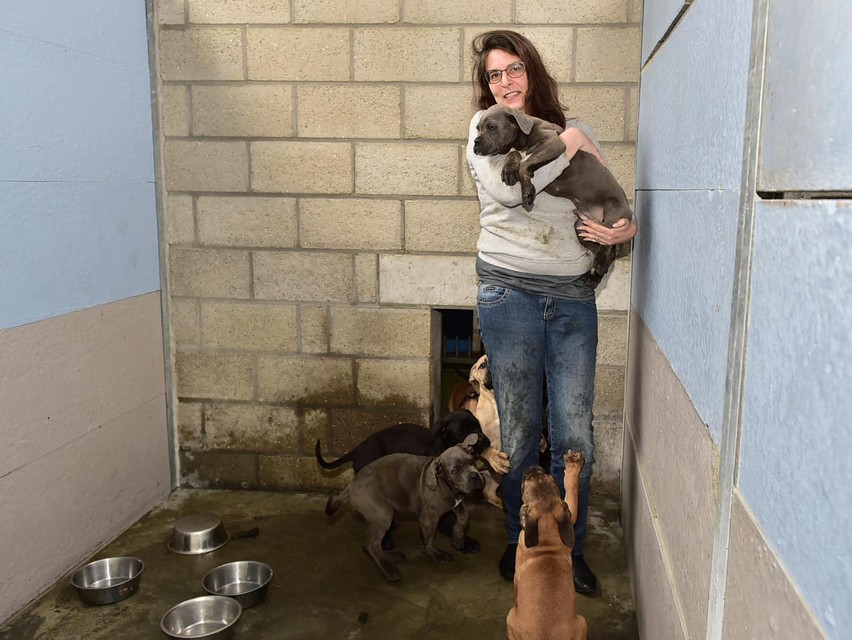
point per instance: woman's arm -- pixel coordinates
(622, 231)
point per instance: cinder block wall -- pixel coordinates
(319, 210)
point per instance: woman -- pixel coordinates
(537, 313)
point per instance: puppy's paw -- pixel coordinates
(395, 557)
(528, 196)
(574, 462)
(468, 545)
(510, 174)
(439, 555)
(500, 463)
(392, 572)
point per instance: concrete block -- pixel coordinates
(370, 331)
(366, 277)
(608, 54)
(602, 108)
(174, 110)
(301, 167)
(189, 425)
(350, 224)
(298, 472)
(436, 281)
(206, 53)
(439, 226)
(435, 111)
(406, 169)
(633, 114)
(238, 11)
(457, 11)
(613, 293)
(555, 44)
(558, 11)
(612, 339)
(608, 455)
(303, 276)
(313, 329)
(218, 376)
(218, 470)
(248, 326)
(409, 54)
(183, 317)
(399, 383)
(209, 273)
(307, 380)
(171, 11)
(317, 423)
(179, 219)
(251, 427)
(247, 221)
(318, 54)
(372, 111)
(251, 110)
(345, 12)
(621, 161)
(609, 391)
(206, 165)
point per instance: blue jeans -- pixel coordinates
(532, 339)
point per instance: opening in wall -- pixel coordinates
(458, 347)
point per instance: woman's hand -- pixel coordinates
(575, 140)
(622, 231)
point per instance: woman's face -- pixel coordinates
(509, 92)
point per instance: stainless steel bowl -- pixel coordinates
(108, 580)
(247, 581)
(203, 617)
(197, 534)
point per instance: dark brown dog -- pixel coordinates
(450, 430)
(586, 182)
(423, 486)
(545, 599)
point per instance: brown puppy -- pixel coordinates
(489, 420)
(545, 599)
(586, 182)
(418, 485)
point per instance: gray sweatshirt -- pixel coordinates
(541, 241)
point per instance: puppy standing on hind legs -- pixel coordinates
(545, 599)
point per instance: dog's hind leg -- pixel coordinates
(378, 519)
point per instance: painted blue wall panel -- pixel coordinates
(795, 467)
(683, 264)
(657, 18)
(75, 245)
(77, 195)
(807, 122)
(692, 111)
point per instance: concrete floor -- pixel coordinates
(324, 587)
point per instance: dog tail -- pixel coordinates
(334, 463)
(335, 501)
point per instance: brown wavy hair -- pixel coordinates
(542, 99)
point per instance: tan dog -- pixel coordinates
(545, 599)
(489, 420)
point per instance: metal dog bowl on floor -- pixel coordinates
(197, 534)
(247, 581)
(203, 617)
(108, 580)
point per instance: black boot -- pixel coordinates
(507, 562)
(585, 581)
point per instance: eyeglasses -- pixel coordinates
(514, 70)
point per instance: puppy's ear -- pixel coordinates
(435, 471)
(470, 443)
(529, 523)
(566, 529)
(524, 121)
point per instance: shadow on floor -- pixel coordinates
(324, 587)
